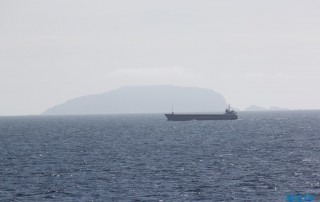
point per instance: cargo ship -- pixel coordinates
(228, 115)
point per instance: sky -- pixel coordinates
(265, 53)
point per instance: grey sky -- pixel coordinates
(253, 52)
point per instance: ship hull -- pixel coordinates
(200, 117)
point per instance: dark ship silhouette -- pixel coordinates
(228, 115)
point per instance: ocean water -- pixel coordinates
(260, 157)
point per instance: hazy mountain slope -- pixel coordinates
(144, 99)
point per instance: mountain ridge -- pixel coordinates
(143, 99)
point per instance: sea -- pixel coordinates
(263, 156)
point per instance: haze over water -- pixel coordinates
(260, 157)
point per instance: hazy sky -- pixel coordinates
(253, 52)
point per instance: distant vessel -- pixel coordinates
(228, 115)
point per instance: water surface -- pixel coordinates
(261, 157)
